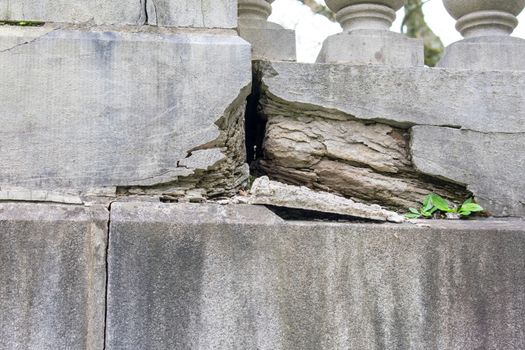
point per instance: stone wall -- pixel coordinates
(111, 107)
(196, 276)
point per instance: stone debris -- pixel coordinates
(267, 192)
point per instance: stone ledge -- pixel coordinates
(168, 13)
(221, 284)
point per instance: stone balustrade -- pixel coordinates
(269, 40)
(366, 38)
(486, 26)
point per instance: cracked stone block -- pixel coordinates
(168, 13)
(52, 276)
(346, 129)
(491, 101)
(490, 164)
(237, 277)
(84, 109)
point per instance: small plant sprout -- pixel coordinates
(434, 205)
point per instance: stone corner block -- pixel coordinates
(52, 276)
(126, 108)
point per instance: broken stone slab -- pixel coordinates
(267, 192)
(364, 161)
(142, 107)
(166, 13)
(490, 101)
(52, 276)
(490, 164)
(237, 277)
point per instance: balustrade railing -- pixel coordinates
(486, 26)
(366, 37)
(269, 40)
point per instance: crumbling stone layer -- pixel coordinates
(351, 130)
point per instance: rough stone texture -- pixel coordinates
(345, 129)
(367, 162)
(269, 40)
(236, 278)
(168, 13)
(52, 276)
(491, 164)
(486, 53)
(267, 192)
(491, 101)
(142, 107)
(372, 47)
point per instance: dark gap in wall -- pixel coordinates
(291, 214)
(255, 123)
(104, 346)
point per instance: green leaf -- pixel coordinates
(412, 216)
(468, 201)
(472, 207)
(440, 203)
(414, 211)
(427, 200)
(464, 213)
(426, 214)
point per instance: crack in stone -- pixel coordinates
(30, 41)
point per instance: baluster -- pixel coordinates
(366, 37)
(486, 26)
(269, 40)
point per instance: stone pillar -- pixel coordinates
(486, 26)
(366, 38)
(269, 40)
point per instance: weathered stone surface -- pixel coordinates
(482, 101)
(372, 47)
(269, 41)
(52, 276)
(238, 278)
(486, 53)
(168, 13)
(367, 162)
(491, 165)
(192, 13)
(267, 192)
(143, 107)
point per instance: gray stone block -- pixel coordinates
(96, 108)
(167, 13)
(192, 13)
(269, 41)
(491, 165)
(372, 47)
(486, 53)
(483, 101)
(52, 277)
(212, 277)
